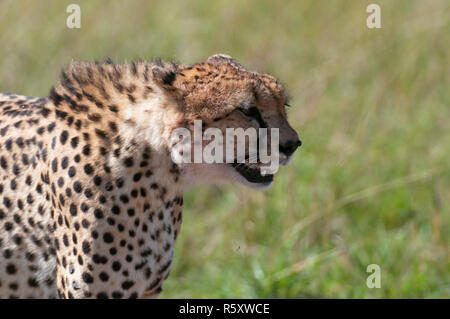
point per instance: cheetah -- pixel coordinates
(90, 196)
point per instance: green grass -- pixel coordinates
(371, 184)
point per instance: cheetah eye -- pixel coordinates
(254, 114)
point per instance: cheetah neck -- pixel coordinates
(124, 116)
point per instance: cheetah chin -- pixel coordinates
(90, 196)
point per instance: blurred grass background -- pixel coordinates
(371, 184)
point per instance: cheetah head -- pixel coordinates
(222, 94)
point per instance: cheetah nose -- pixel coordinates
(290, 146)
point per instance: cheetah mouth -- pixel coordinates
(252, 173)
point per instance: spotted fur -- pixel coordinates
(90, 199)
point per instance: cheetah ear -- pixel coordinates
(217, 58)
(163, 75)
(223, 58)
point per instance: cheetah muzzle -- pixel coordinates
(90, 196)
